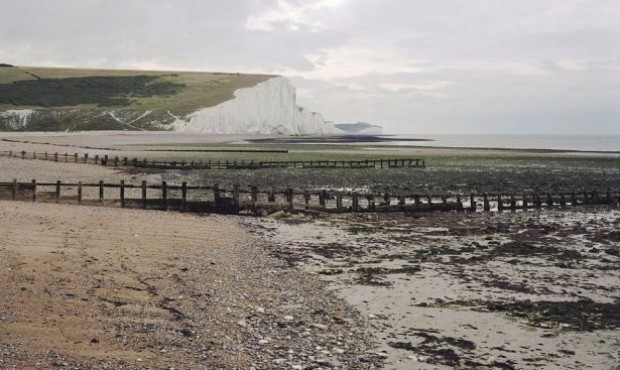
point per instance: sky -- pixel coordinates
(411, 66)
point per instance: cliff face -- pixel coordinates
(270, 107)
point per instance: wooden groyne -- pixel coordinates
(251, 200)
(116, 161)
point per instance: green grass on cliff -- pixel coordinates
(62, 88)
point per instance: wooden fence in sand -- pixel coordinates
(116, 161)
(251, 200)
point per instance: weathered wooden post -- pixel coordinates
(66, 157)
(164, 194)
(339, 201)
(322, 198)
(56, 157)
(116, 161)
(236, 195)
(184, 195)
(101, 190)
(57, 191)
(289, 197)
(444, 199)
(96, 158)
(459, 202)
(254, 195)
(122, 189)
(585, 198)
(401, 199)
(85, 157)
(135, 162)
(537, 201)
(573, 198)
(105, 160)
(307, 198)
(23, 154)
(596, 197)
(416, 201)
(549, 200)
(562, 200)
(500, 203)
(472, 202)
(381, 161)
(34, 190)
(525, 201)
(386, 198)
(513, 203)
(485, 202)
(371, 202)
(429, 199)
(355, 202)
(46, 156)
(143, 194)
(79, 190)
(75, 158)
(271, 196)
(14, 190)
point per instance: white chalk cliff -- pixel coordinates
(270, 107)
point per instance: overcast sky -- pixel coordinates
(412, 66)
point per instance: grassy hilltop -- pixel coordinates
(83, 99)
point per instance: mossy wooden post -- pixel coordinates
(57, 191)
(549, 200)
(79, 192)
(236, 195)
(85, 157)
(34, 190)
(184, 196)
(164, 194)
(401, 200)
(485, 202)
(386, 199)
(101, 190)
(429, 199)
(472, 202)
(289, 197)
(322, 198)
(500, 203)
(513, 203)
(14, 190)
(271, 196)
(144, 194)
(122, 193)
(307, 198)
(416, 201)
(524, 202)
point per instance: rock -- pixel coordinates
(320, 326)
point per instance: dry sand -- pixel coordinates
(85, 287)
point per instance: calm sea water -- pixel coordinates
(562, 142)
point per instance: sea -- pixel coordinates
(589, 143)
